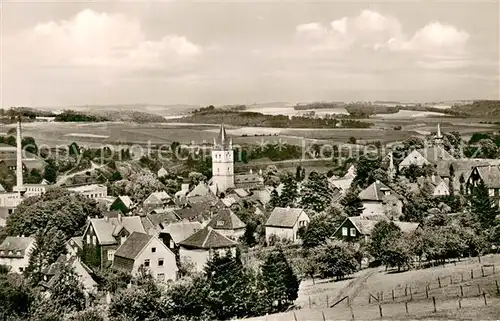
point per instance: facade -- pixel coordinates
(202, 245)
(157, 200)
(122, 203)
(356, 228)
(103, 236)
(94, 191)
(379, 199)
(284, 224)
(228, 224)
(35, 189)
(15, 252)
(143, 251)
(222, 162)
(74, 246)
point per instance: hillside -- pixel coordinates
(479, 108)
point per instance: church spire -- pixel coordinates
(19, 159)
(438, 140)
(222, 140)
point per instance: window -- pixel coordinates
(160, 262)
(146, 262)
(153, 249)
(161, 277)
(111, 254)
(344, 231)
(172, 244)
(21, 269)
(123, 239)
(353, 231)
(220, 223)
(387, 193)
(88, 239)
(1, 252)
(94, 240)
(491, 192)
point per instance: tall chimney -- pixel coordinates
(19, 155)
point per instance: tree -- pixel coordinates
(335, 258)
(110, 280)
(321, 227)
(29, 145)
(50, 171)
(352, 140)
(351, 203)
(279, 280)
(271, 175)
(383, 232)
(17, 299)
(316, 193)
(195, 178)
(481, 206)
(289, 193)
(396, 253)
(67, 293)
(249, 235)
(488, 148)
(365, 167)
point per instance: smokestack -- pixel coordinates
(19, 155)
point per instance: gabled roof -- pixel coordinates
(77, 240)
(343, 183)
(414, 158)
(162, 172)
(105, 230)
(365, 226)
(111, 214)
(284, 217)
(200, 190)
(435, 154)
(2, 189)
(165, 216)
(15, 244)
(375, 192)
(207, 238)
(126, 200)
(490, 175)
(181, 230)
(133, 245)
(226, 220)
(157, 198)
(241, 192)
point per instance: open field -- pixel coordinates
(95, 134)
(458, 294)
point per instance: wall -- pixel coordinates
(223, 169)
(232, 234)
(18, 265)
(197, 256)
(169, 268)
(280, 232)
(373, 208)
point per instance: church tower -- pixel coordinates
(438, 140)
(19, 161)
(222, 162)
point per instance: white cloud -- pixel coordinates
(438, 38)
(93, 39)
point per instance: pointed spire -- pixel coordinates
(439, 131)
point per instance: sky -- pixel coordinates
(57, 53)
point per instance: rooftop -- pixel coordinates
(284, 217)
(207, 238)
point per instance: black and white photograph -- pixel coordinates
(256, 160)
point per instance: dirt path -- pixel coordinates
(62, 179)
(356, 285)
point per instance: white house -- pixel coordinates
(91, 191)
(149, 252)
(15, 252)
(284, 223)
(379, 199)
(227, 224)
(202, 245)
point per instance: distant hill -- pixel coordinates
(479, 108)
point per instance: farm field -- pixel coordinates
(95, 134)
(414, 289)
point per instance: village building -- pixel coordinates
(228, 224)
(52, 274)
(103, 236)
(94, 191)
(222, 162)
(143, 251)
(157, 200)
(489, 175)
(123, 204)
(202, 245)
(173, 234)
(357, 228)
(162, 172)
(4, 213)
(74, 246)
(284, 223)
(379, 199)
(248, 181)
(15, 252)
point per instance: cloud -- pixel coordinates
(371, 30)
(97, 39)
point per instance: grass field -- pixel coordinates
(413, 289)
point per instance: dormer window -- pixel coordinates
(220, 223)
(153, 249)
(387, 193)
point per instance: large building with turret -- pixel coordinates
(222, 162)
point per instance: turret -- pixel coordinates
(19, 160)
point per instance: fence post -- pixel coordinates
(471, 274)
(426, 291)
(451, 279)
(406, 307)
(406, 290)
(411, 295)
(498, 288)
(462, 274)
(348, 302)
(380, 311)
(459, 303)
(439, 281)
(434, 303)
(369, 298)
(309, 302)
(482, 271)
(392, 294)
(461, 291)
(294, 316)
(382, 296)
(327, 305)
(323, 314)
(493, 268)
(484, 297)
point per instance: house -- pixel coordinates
(342, 184)
(379, 199)
(52, 274)
(103, 236)
(141, 250)
(356, 228)
(74, 245)
(15, 252)
(4, 213)
(93, 191)
(157, 200)
(173, 234)
(284, 223)
(202, 245)
(248, 181)
(122, 203)
(489, 175)
(11, 165)
(440, 186)
(433, 155)
(228, 224)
